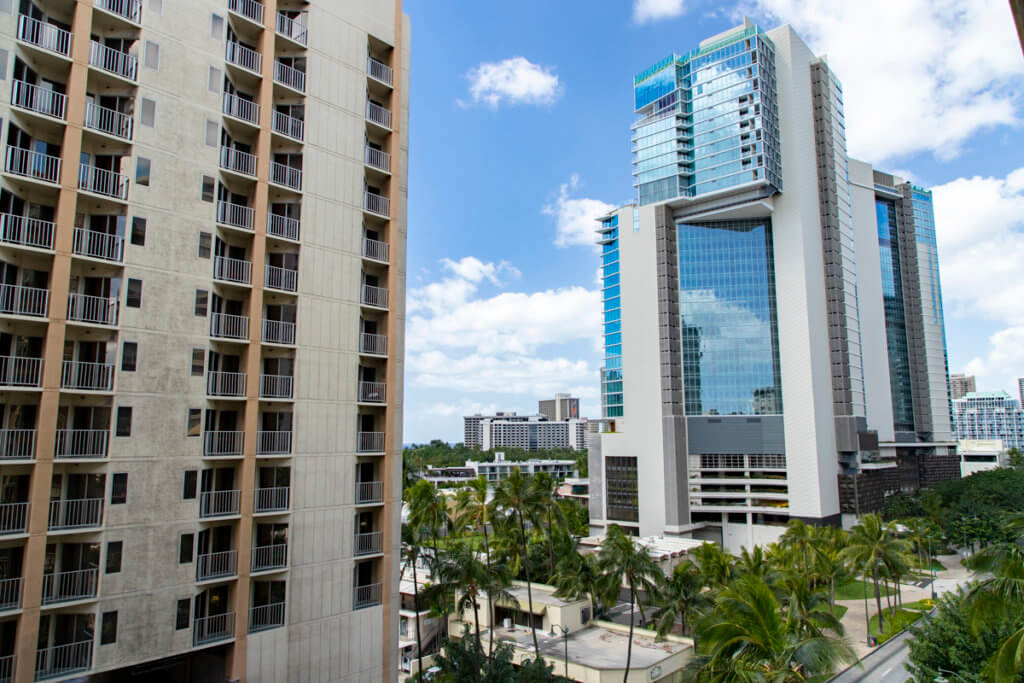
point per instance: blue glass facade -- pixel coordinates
(730, 340)
(611, 373)
(895, 317)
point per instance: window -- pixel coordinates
(133, 297)
(108, 631)
(205, 240)
(152, 57)
(195, 416)
(198, 362)
(216, 26)
(212, 133)
(188, 488)
(114, 551)
(142, 168)
(214, 82)
(148, 114)
(207, 188)
(185, 548)
(182, 614)
(119, 488)
(201, 298)
(124, 421)
(129, 356)
(139, 231)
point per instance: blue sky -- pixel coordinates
(520, 117)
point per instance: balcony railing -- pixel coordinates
(219, 503)
(230, 384)
(273, 499)
(284, 279)
(239, 161)
(102, 181)
(109, 121)
(366, 596)
(378, 159)
(232, 270)
(81, 443)
(63, 660)
(223, 443)
(370, 442)
(250, 9)
(377, 204)
(126, 9)
(27, 232)
(7, 669)
(282, 174)
(113, 61)
(369, 492)
(85, 376)
(96, 244)
(10, 598)
(35, 165)
(278, 332)
(45, 36)
(66, 586)
(40, 100)
(17, 444)
(283, 226)
(375, 250)
(267, 557)
(76, 513)
(374, 296)
(213, 628)
(217, 565)
(379, 115)
(371, 392)
(379, 71)
(266, 617)
(277, 386)
(20, 371)
(276, 442)
(290, 28)
(373, 344)
(235, 215)
(95, 310)
(289, 126)
(369, 543)
(13, 518)
(227, 326)
(241, 108)
(28, 301)
(290, 76)
(244, 57)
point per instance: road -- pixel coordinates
(884, 665)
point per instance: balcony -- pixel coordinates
(96, 244)
(224, 443)
(266, 617)
(7, 669)
(377, 158)
(244, 57)
(286, 176)
(376, 204)
(292, 29)
(109, 121)
(366, 596)
(277, 386)
(227, 326)
(371, 392)
(63, 660)
(369, 492)
(83, 376)
(39, 100)
(217, 565)
(378, 115)
(370, 543)
(235, 215)
(76, 513)
(238, 161)
(93, 310)
(129, 10)
(283, 227)
(26, 232)
(374, 296)
(68, 586)
(219, 503)
(10, 598)
(20, 371)
(290, 77)
(242, 109)
(44, 36)
(269, 557)
(284, 279)
(375, 250)
(113, 61)
(373, 344)
(32, 302)
(278, 332)
(13, 518)
(370, 442)
(273, 499)
(212, 629)
(227, 384)
(17, 444)
(289, 126)
(238, 271)
(81, 443)
(250, 9)
(277, 442)
(379, 71)
(103, 182)
(33, 165)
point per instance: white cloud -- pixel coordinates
(917, 75)
(1003, 363)
(656, 10)
(462, 281)
(575, 219)
(514, 81)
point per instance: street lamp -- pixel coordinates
(565, 639)
(931, 564)
(942, 679)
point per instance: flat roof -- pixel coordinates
(658, 547)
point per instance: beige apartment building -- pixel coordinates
(202, 247)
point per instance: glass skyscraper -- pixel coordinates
(895, 317)
(611, 372)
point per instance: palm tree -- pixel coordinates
(807, 608)
(411, 548)
(755, 563)
(681, 598)
(473, 511)
(717, 566)
(830, 568)
(621, 562)
(873, 549)
(548, 512)
(577, 577)
(428, 509)
(800, 538)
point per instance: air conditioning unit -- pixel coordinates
(506, 623)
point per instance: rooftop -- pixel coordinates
(658, 547)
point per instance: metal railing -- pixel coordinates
(250, 9)
(377, 204)
(372, 392)
(379, 71)
(266, 557)
(284, 279)
(102, 181)
(86, 376)
(374, 296)
(224, 443)
(225, 384)
(96, 310)
(290, 28)
(235, 215)
(17, 444)
(377, 158)
(7, 669)
(241, 108)
(282, 174)
(273, 499)
(10, 598)
(29, 164)
(75, 513)
(20, 371)
(108, 121)
(213, 628)
(369, 543)
(43, 35)
(219, 503)
(74, 585)
(237, 160)
(283, 226)
(127, 9)
(227, 326)
(61, 660)
(379, 115)
(216, 565)
(24, 95)
(28, 301)
(266, 617)
(232, 270)
(370, 442)
(13, 518)
(366, 596)
(244, 57)
(276, 386)
(276, 442)
(290, 76)
(289, 126)
(28, 232)
(375, 250)
(96, 244)
(113, 61)
(278, 332)
(369, 492)
(373, 344)
(81, 443)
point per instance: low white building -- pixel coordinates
(978, 455)
(498, 470)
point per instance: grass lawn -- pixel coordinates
(854, 590)
(840, 611)
(919, 606)
(896, 620)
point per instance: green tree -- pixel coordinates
(548, 513)
(717, 566)
(412, 545)
(681, 598)
(799, 537)
(1015, 458)
(872, 549)
(578, 578)
(428, 509)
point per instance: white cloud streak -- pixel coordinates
(646, 11)
(575, 218)
(512, 81)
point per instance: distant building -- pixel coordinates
(984, 415)
(445, 477)
(556, 424)
(561, 407)
(960, 385)
(575, 489)
(471, 425)
(1020, 390)
(980, 455)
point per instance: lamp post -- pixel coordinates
(931, 564)
(565, 639)
(867, 618)
(942, 679)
